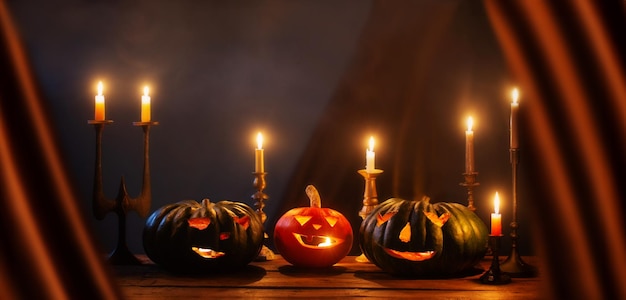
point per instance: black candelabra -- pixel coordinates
(514, 265)
(123, 202)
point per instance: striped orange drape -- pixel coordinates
(46, 250)
(569, 58)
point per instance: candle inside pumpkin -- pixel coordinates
(145, 105)
(99, 112)
(259, 164)
(496, 217)
(469, 146)
(370, 157)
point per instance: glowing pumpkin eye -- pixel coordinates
(332, 221)
(302, 219)
(245, 221)
(224, 236)
(437, 220)
(199, 223)
(381, 219)
(405, 233)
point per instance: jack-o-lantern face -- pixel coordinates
(202, 223)
(191, 237)
(313, 236)
(416, 238)
(407, 235)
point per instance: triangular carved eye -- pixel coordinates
(244, 221)
(199, 223)
(302, 219)
(437, 220)
(332, 221)
(405, 233)
(381, 219)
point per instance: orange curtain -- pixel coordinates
(46, 250)
(569, 59)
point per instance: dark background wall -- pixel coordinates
(220, 71)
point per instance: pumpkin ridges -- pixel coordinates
(459, 251)
(168, 238)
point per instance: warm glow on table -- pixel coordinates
(259, 164)
(145, 105)
(469, 146)
(99, 112)
(514, 143)
(370, 157)
(496, 217)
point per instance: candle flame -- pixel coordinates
(146, 90)
(515, 95)
(470, 123)
(100, 88)
(496, 203)
(326, 243)
(259, 141)
(371, 143)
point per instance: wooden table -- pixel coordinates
(278, 279)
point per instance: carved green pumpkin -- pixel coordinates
(420, 239)
(203, 237)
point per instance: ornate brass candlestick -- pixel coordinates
(123, 203)
(470, 183)
(514, 265)
(494, 275)
(370, 199)
(259, 197)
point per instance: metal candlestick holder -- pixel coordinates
(495, 275)
(123, 203)
(259, 197)
(514, 265)
(370, 199)
(470, 183)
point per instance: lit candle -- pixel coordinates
(99, 114)
(496, 218)
(513, 126)
(259, 165)
(469, 146)
(370, 157)
(145, 105)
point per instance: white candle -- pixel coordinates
(145, 105)
(370, 157)
(259, 164)
(496, 217)
(469, 146)
(99, 113)
(514, 143)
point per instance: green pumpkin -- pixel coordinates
(203, 237)
(420, 239)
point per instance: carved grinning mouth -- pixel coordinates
(207, 252)
(412, 256)
(317, 241)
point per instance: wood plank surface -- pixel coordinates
(278, 279)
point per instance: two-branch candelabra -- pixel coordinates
(123, 203)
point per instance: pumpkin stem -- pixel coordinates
(314, 196)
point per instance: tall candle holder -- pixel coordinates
(370, 199)
(123, 203)
(259, 198)
(514, 265)
(470, 183)
(495, 275)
